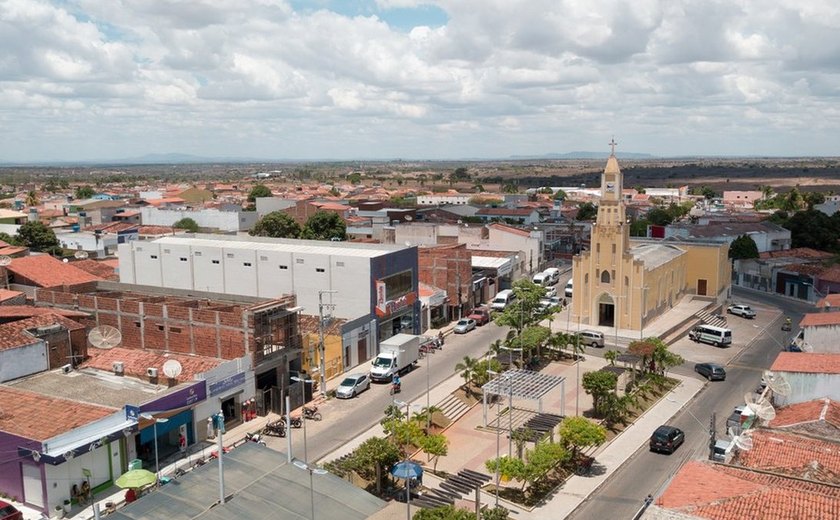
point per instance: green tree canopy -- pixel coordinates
(84, 192)
(325, 225)
(355, 178)
(32, 198)
(521, 312)
(599, 384)
(510, 188)
(812, 198)
(276, 225)
(436, 446)
(447, 512)
(560, 195)
(38, 237)
(259, 191)
(659, 217)
(376, 453)
(579, 432)
(587, 211)
(460, 174)
(186, 223)
(812, 228)
(7, 238)
(638, 228)
(743, 247)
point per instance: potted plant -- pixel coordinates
(59, 511)
(67, 506)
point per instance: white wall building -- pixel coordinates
(266, 205)
(820, 331)
(23, 360)
(206, 218)
(101, 244)
(811, 376)
(440, 199)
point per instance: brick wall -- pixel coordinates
(447, 268)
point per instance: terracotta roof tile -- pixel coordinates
(14, 334)
(24, 311)
(807, 362)
(794, 455)
(6, 294)
(505, 211)
(136, 361)
(98, 268)
(797, 252)
(23, 414)
(46, 271)
(510, 229)
(833, 300)
(810, 411)
(820, 318)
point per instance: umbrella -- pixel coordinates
(407, 470)
(136, 478)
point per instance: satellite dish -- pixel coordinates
(408, 218)
(172, 369)
(744, 441)
(80, 255)
(36, 456)
(69, 455)
(806, 347)
(777, 384)
(65, 260)
(104, 336)
(5, 260)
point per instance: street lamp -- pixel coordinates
(312, 470)
(150, 417)
(510, 409)
(819, 293)
(303, 418)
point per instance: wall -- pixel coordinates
(437, 200)
(807, 387)
(11, 481)
(83, 241)
(206, 218)
(23, 361)
(500, 240)
(416, 234)
(449, 268)
(266, 205)
(212, 404)
(104, 464)
(823, 338)
(711, 263)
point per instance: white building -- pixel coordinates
(205, 218)
(101, 244)
(442, 199)
(810, 375)
(375, 280)
(820, 331)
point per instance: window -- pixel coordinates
(398, 285)
(160, 327)
(176, 330)
(605, 277)
(284, 267)
(215, 261)
(230, 255)
(298, 260)
(246, 264)
(154, 257)
(263, 258)
(166, 251)
(183, 259)
(319, 269)
(339, 264)
(136, 323)
(197, 253)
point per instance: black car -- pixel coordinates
(666, 439)
(711, 371)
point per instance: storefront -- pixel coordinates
(229, 386)
(397, 305)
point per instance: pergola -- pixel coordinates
(523, 384)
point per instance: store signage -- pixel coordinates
(392, 306)
(226, 384)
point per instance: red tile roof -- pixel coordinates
(823, 409)
(46, 271)
(798, 252)
(23, 414)
(807, 362)
(833, 300)
(721, 492)
(816, 319)
(136, 361)
(831, 274)
(793, 455)
(510, 229)
(13, 334)
(24, 311)
(6, 294)
(100, 268)
(505, 211)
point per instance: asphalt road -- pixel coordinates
(649, 473)
(345, 419)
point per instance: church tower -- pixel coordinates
(611, 227)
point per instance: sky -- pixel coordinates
(407, 79)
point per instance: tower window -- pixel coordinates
(605, 276)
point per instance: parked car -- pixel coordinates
(741, 310)
(9, 512)
(666, 439)
(569, 289)
(481, 315)
(711, 371)
(353, 385)
(550, 292)
(592, 338)
(464, 325)
(502, 299)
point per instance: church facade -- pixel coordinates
(627, 283)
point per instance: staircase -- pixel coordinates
(453, 408)
(707, 318)
(456, 487)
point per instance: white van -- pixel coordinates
(553, 273)
(569, 289)
(502, 299)
(541, 279)
(717, 336)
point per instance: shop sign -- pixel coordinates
(228, 383)
(393, 306)
(186, 397)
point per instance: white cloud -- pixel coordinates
(258, 78)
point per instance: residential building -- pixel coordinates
(766, 235)
(442, 199)
(811, 375)
(819, 332)
(449, 267)
(45, 271)
(39, 343)
(231, 221)
(526, 216)
(792, 272)
(741, 199)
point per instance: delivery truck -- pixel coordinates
(397, 355)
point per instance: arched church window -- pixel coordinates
(586, 278)
(598, 248)
(605, 277)
(626, 281)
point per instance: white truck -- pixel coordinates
(397, 354)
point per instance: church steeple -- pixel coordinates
(611, 181)
(611, 221)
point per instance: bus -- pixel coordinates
(717, 336)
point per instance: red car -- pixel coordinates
(9, 512)
(481, 316)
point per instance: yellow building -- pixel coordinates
(627, 283)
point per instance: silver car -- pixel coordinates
(464, 325)
(353, 385)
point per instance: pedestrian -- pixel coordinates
(211, 432)
(182, 443)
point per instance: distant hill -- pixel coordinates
(586, 155)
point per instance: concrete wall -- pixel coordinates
(104, 464)
(206, 218)
(266, 205)
(710, 263)
(24, 360)
(823, 338)
(439, 200)
(807, 387)
(84, 241)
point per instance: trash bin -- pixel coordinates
(135, 464)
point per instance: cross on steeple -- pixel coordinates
(612, 144)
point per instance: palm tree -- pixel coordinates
(31, 199)
(611, 356)
(558, 340)
(466, 367)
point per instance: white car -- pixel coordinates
(550, 292)
(464, 325)
(353, 385)
(741, 310)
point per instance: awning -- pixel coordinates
(501, 265)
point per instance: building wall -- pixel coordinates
(11, 479)
(449, 268)
(807, 387)
(710, 263)
(206, 218)
(823, 338)
(439, 200)
(499, 240)
(104, 464)
(24, 360)
(266, 205)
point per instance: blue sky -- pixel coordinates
(435, 79)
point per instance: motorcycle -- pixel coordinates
(311, 413)
(254, 437)
(395, 388)
(296, 422)
(276, 428)
(786, 326)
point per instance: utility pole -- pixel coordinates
(321, 354)
(712, 437)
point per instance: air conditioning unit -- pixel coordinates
(67, 368)
(151, 372)
(118, 367)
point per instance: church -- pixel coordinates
(626, 283)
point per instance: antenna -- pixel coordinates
(777, 384)
(760, 406)
(743, 441)
(80, 255)
(104, 336)
(172, 369)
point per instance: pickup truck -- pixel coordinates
(481, 316)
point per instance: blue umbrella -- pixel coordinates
(407, 470)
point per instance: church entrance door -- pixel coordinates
(606, 311)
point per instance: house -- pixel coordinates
(792, 272)
(39, 343)
(210, 218)
(811, 375)
(45, 271)
(766, 235)
(819, 418)
(528, 216)
(741, 199)
(449, 267)
(820, 331)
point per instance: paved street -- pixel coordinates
(647, 472)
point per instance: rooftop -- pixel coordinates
(792, 455)
(136, 361)
(816, 319)
(46, 271)
(807, 362)
(20, 414)
(654, 255)
(824, 411)
(797, 252)
(505, 211)
(287, 245)
(831, 300)
(510, 229)
(14, 334)
(23, 311)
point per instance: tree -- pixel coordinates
(355, 178)
(743, 247)
(611, 356)
(31, 199)
(12, 241)
(812, 228)
(542, 459)
(638, 228)
(560, 195)
(466, 367)
(186, 223)
(460, 174)
(435, 446)
(276, 225)
(509, 467)
(532, 338)
(481, 371)
(579, 433)
(659, 217)
(510, 188)
(377, 453)
(259, 191)
(792, 200)
(644, 348)
(599, 385)
(38, 237)
(324, 225)
(586, 211)
(520, 313)
(812, 198)
(447, 512)
(84, 192)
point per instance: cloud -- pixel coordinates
(386, 78)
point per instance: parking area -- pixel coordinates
(744, 331)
